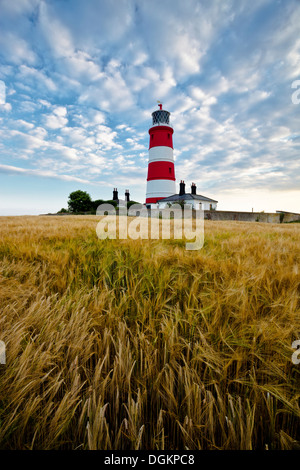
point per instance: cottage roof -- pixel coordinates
(186, 197)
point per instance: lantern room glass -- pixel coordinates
(161, 117)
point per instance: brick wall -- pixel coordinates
(266, 217)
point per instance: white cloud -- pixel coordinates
(24, 124)
(15, 49)
(134, 144)
(28, 142)
(91, 118)
(57, 119)
(80, 64)
(294, 59)
(66, 152)
(110, 93)
(60, 111)
(10, 169)
(105, 138)
(45, 103)
(6, 107)
(55, 32)
(280, 133)
(36, 77)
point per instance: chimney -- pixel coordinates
(181, 188)
(193, 188)
(127, 198)
(115, 195)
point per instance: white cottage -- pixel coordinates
(192, 200)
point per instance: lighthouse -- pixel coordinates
(161, 171)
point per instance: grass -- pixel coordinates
(121, 344)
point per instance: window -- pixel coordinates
(168, 136)
(170, 170)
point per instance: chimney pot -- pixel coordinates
(115, 194)
(181, 188)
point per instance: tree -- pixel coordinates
(97, 203)
(131, 203)
(79, 201)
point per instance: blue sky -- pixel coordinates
(80, 79)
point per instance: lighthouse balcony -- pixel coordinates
(162, 124)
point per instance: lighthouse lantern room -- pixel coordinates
(161, 171)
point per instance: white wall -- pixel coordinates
(196, 204)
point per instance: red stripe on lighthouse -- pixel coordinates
(161, 136)
(153, 200)
(161, 171)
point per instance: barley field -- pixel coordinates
(123, 345)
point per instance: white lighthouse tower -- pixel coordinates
(161, 171)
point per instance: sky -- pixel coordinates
(79, 80)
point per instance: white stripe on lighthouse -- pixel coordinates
(160, 188)
(161, 154)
